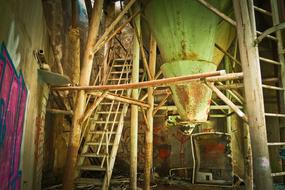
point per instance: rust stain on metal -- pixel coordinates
(183, 96)
(187, 55)
(190, 97)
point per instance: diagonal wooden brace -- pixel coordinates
(93, 107)
(228, 101)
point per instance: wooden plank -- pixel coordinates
(246, 32)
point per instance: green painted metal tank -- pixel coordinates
(185, 32)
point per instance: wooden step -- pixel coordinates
(93, 155)
(120, 72)
(96, 143)
(90, 181)
(92, 168)
(101, 132)
(117, 65)
(115, 79)
(122, 60)
(109, 103)
(107, 112)
(104, 122)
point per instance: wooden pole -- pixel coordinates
(145, 84)
(149, 129)
(134, 110)
(217, 12)
(228, 101)
(244, 14)
(143, 53)
(113, 24)
(120, 98)
(88, 56)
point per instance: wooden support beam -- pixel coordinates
(145, 84)
(139, 38)
(123, 99)
(149, 129)
(232, 93)
(100, 44)
(95, 104)
(269, 31)
(74, 139)
(134, 111)
(246, 32)
(161, 103)
(228, 102)
(227, 54)
(230, 76)
(113, 25)
(217, 12)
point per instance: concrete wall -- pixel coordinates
(23, 30)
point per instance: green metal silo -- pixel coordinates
(185, 32)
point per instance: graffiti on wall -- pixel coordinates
(13, 97)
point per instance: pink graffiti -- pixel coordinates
(13, 96)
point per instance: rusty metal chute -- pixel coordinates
(186, 34)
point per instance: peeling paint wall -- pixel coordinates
(23, 30)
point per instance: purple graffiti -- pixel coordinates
(13, 97)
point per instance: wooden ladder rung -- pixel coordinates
(271, 87)
(267, 36)
(275, 143)
(269, 61)
(274, 115)
(277, 174)
(263, 11)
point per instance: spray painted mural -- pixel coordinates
(13, 97)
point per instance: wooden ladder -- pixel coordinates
(274, 34)
(103, 131)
